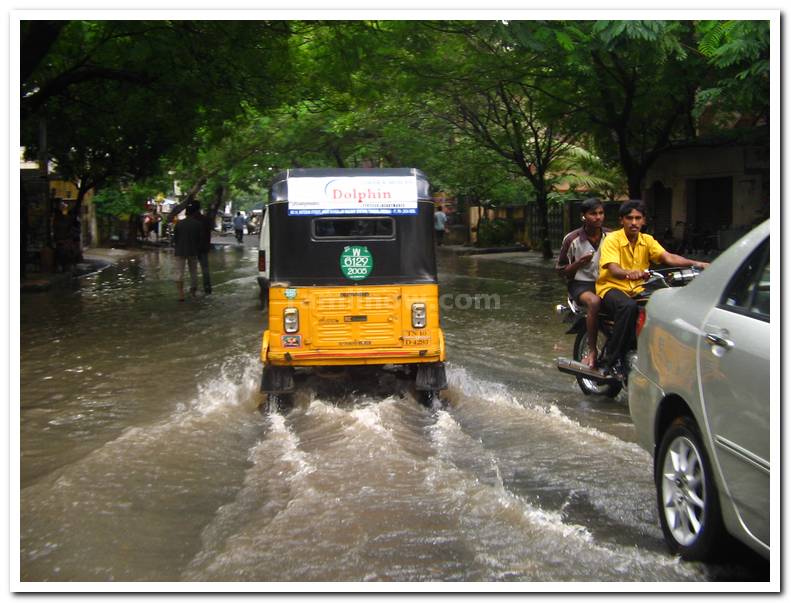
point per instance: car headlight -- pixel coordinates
(418, 315)
(291, 320)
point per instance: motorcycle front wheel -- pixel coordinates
(588, 386)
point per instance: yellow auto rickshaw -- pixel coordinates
(348, 269)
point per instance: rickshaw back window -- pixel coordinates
(354, 228)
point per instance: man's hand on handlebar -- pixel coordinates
(636, 275)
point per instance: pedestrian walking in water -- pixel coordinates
(205, 247)
(238, 226)
(62, 234)
(188, 236)
(440, 224)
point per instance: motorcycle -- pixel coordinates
(595, 381)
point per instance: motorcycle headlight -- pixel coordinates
(418, 315)
(291, 320)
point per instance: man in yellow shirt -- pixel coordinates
(625, 257)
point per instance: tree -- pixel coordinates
(119, 96)
(739, 53)
(489, 94)
(639, 87)
(630, 84)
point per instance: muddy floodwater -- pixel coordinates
(144, 457)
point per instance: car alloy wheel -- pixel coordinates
(683, 490)
(688, 505)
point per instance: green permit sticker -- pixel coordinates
(357, 262)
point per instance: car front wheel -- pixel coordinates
(689, 508)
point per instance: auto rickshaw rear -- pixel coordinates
(351, 272)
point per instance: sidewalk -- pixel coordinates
(99, 258)
(94, 260)
(525, 257)
(511, 255)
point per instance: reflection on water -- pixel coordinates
(144, 456)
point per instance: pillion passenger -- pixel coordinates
(578, 261)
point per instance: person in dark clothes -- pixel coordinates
(238, 226)
(62, 234)
(188, 236)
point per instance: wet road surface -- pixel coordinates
(144, 457)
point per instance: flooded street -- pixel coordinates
(144, 457)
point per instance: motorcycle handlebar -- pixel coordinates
(671, 276)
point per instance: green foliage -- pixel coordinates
(626, 86)
(738, 52)
(249, 200)
(663, 36)
(121, 203)
(582, 169)
(495, 233)
(119, 96)
(495, 112)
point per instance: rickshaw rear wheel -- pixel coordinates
(431, 399)
(276, 404)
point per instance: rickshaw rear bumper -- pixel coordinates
(356, 356)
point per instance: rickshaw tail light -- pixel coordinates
(261, 260)
(418, 316)
(291, 320)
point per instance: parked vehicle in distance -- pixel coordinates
(699, 395)
(227, 223)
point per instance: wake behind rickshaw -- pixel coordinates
(348, 271)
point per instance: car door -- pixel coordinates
(733, 354)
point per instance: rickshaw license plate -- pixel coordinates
(292, 341)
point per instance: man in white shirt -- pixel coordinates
(440, 224)
(578, 261)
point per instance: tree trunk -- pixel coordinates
(134, 229)
(635, 180)
(190, 196)
(336, 154)
(220, 194)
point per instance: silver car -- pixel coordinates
(699, 399)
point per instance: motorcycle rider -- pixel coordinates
(578, 261)
(625, 257)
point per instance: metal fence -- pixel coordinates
(557, 227)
